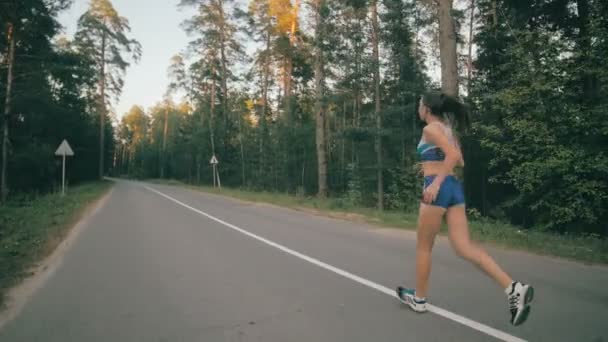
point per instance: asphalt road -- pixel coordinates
(160, 263)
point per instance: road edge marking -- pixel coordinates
(501, 335)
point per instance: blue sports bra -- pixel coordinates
(428, 151)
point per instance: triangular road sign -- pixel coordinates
(213, 160)
(64, 149)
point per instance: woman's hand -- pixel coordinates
(430, 193)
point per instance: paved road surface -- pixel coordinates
(150, 266)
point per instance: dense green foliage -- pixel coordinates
(50, 101)
(536, 151)
(535, 155)
(541, 97)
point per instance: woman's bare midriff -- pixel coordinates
(433, 168)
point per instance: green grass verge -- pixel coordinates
(589, 249)
(31, 228)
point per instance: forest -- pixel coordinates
(320, 98)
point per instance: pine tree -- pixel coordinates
(102, 33)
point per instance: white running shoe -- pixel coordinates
(520, 295)
(408, 296)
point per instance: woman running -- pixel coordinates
(439, 153)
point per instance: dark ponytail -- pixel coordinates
(444, 106)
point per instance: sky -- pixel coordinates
(156, 25)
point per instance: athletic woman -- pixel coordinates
(440, 153)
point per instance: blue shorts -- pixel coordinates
(450, 192)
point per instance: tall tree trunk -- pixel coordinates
(164, 154)
(494, 13)
(357, 105)
(121, 161)
(287, 71)
(125, 158)
(404, 147)
(266, 76)
(447, 49)
(378, 140)
(353, 124)
(294, 23)
(262, 122)
(224, 78)
(484, 175)
(242, 151)
(416, 31)
(102, 107)
(319, 103)
(343, 148)
(288, 68)
(484, 192)
(198, 170)
(357, 102)
(130, 161)
(470, 56)
(415, 99)
(588, 77)
(261, 160)
(7, 111)
(212, 112)
(359, 97)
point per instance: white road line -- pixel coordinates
(434, 309)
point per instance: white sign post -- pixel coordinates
(216, 174)
(64, 150)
